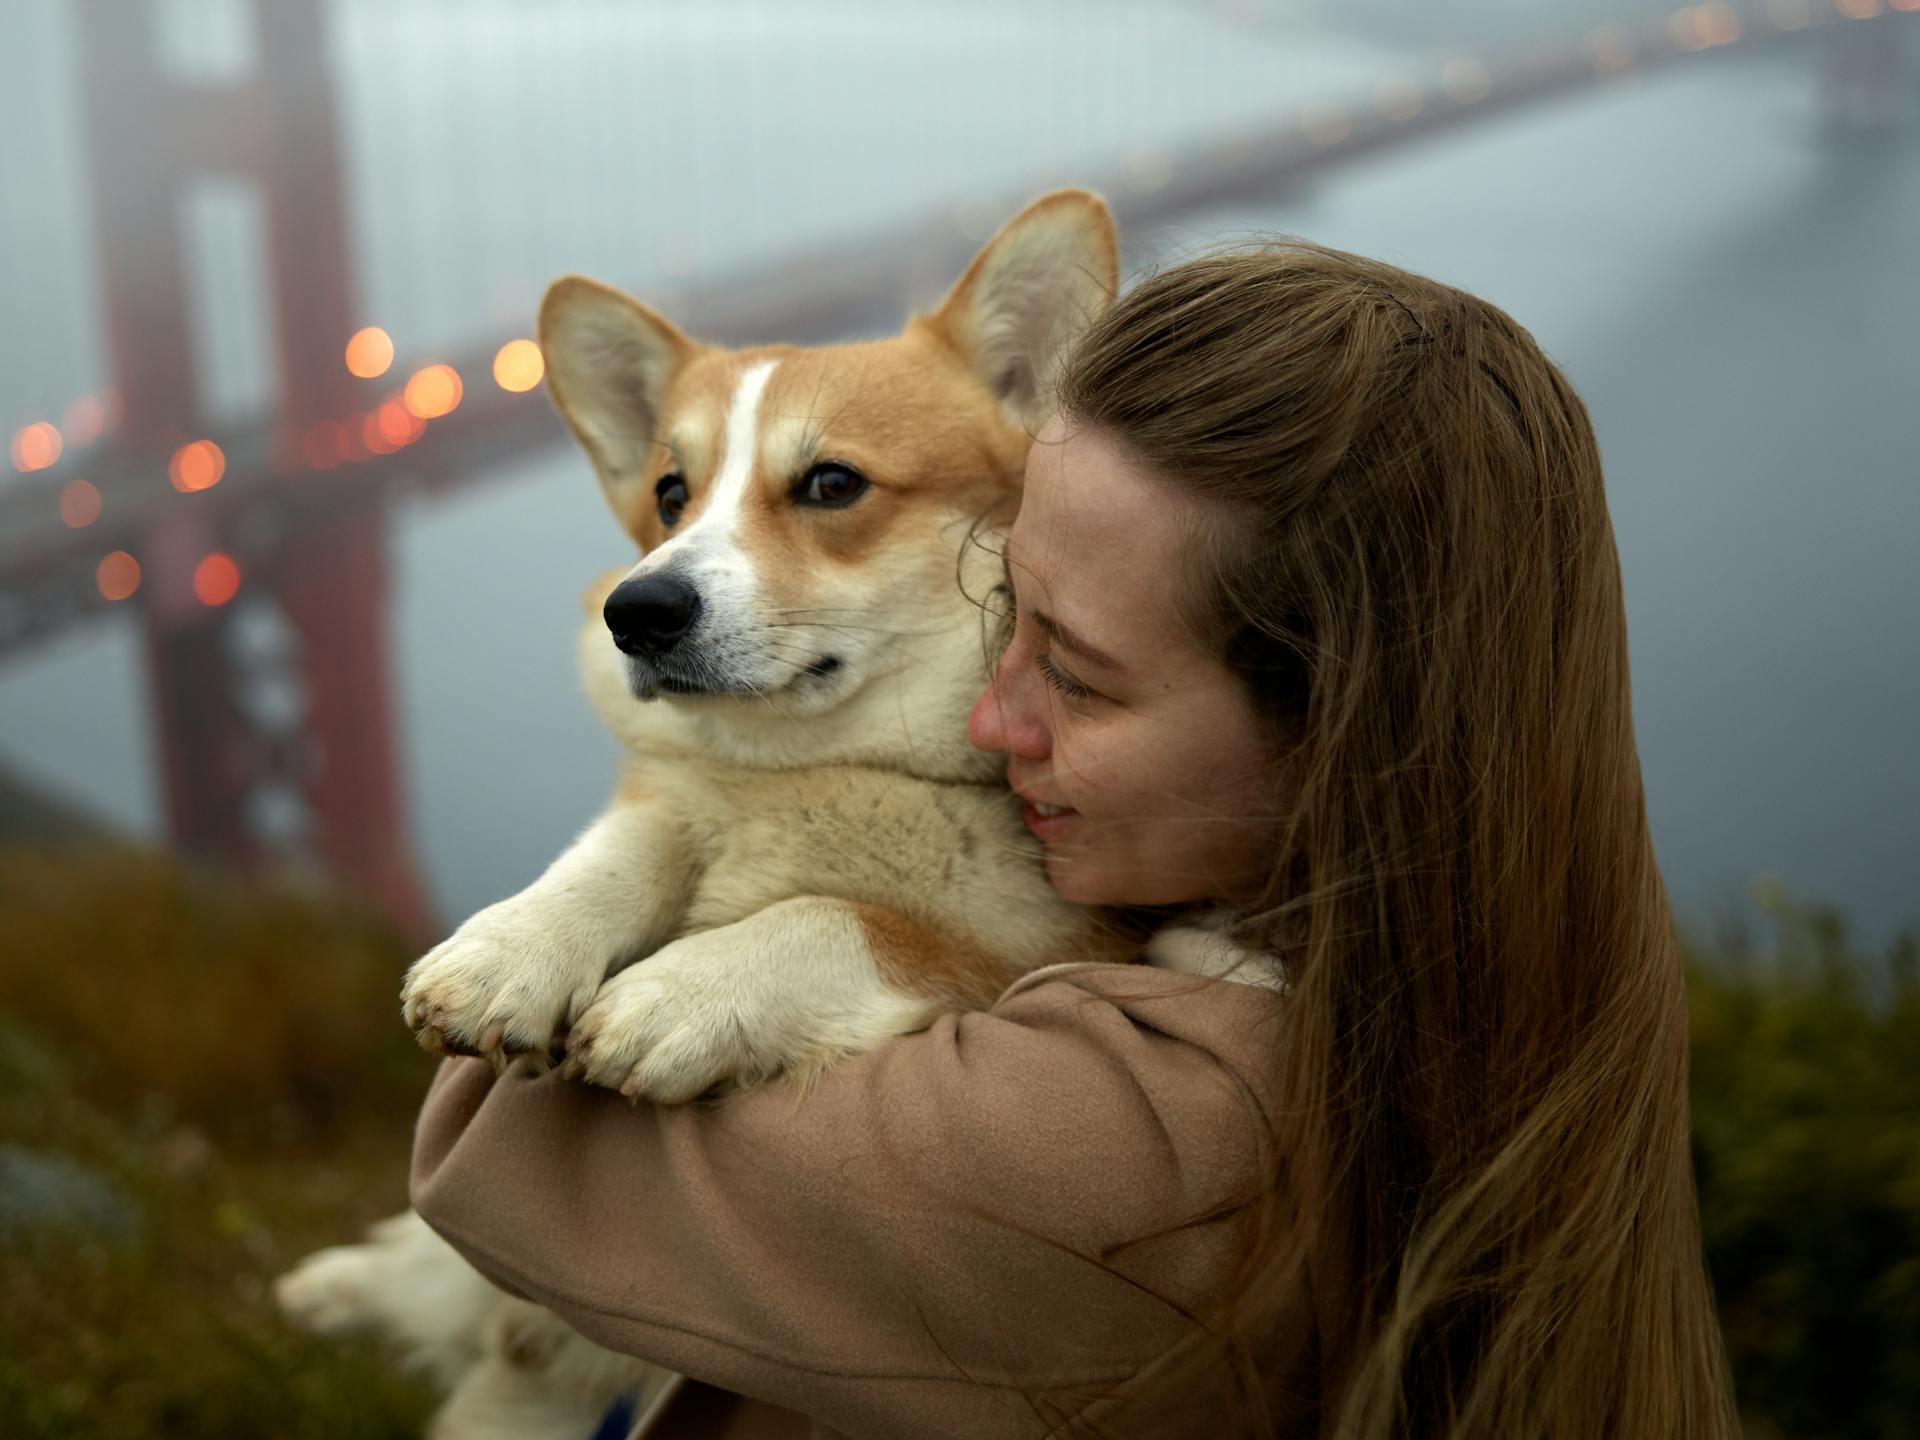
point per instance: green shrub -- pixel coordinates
(250, 1010)
(1806, 1122)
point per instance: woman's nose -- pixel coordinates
(998, 722)
(986, 726)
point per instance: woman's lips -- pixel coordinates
(1049, 822)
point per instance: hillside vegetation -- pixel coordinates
(202, 1080)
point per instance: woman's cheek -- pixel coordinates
(1096, 788)
(1113, 754)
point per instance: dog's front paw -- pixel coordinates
(331, 1292)
(668, 1029)
(501, 985)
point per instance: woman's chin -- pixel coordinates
(1082, 883)
(1079, 882)
(1066, 878)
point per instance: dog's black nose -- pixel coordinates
(648, 616)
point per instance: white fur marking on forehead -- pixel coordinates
(705, 549)
(738, 450)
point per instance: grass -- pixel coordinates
(228, 1061)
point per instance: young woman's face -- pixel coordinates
(1139, 756)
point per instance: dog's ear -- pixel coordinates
(1029, 294)
(609, 362)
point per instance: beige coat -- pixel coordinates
(968, 1232)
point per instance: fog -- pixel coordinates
(1722, 254)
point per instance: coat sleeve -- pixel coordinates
(1036, 1197)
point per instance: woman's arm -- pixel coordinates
(1013, 1202)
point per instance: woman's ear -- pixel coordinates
(1028, 295)
(609, 362)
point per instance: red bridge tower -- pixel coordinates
(273, 713)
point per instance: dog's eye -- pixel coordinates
(830, 485)
(671, 493)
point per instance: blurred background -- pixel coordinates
(291, 545)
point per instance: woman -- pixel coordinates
(1317, 631)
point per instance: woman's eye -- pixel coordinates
(671, 495)
(1060, 680)
(830, 485)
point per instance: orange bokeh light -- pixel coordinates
(216, 579)
(519, 366)
(1717, 23)
(320, 446)
(1465, 81)
(1905, 4)
(372, 437)
(398, 426)
(433, 392)
(1683, 28)
(369, 352)
(79, 504)
(197, 465)
(35, 446)
(118, 575)
(1325, 127)
(85, 418)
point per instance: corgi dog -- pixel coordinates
(803, 856)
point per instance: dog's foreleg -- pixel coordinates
(789, 988)
(509, 980)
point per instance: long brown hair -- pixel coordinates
(1485, 1045)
